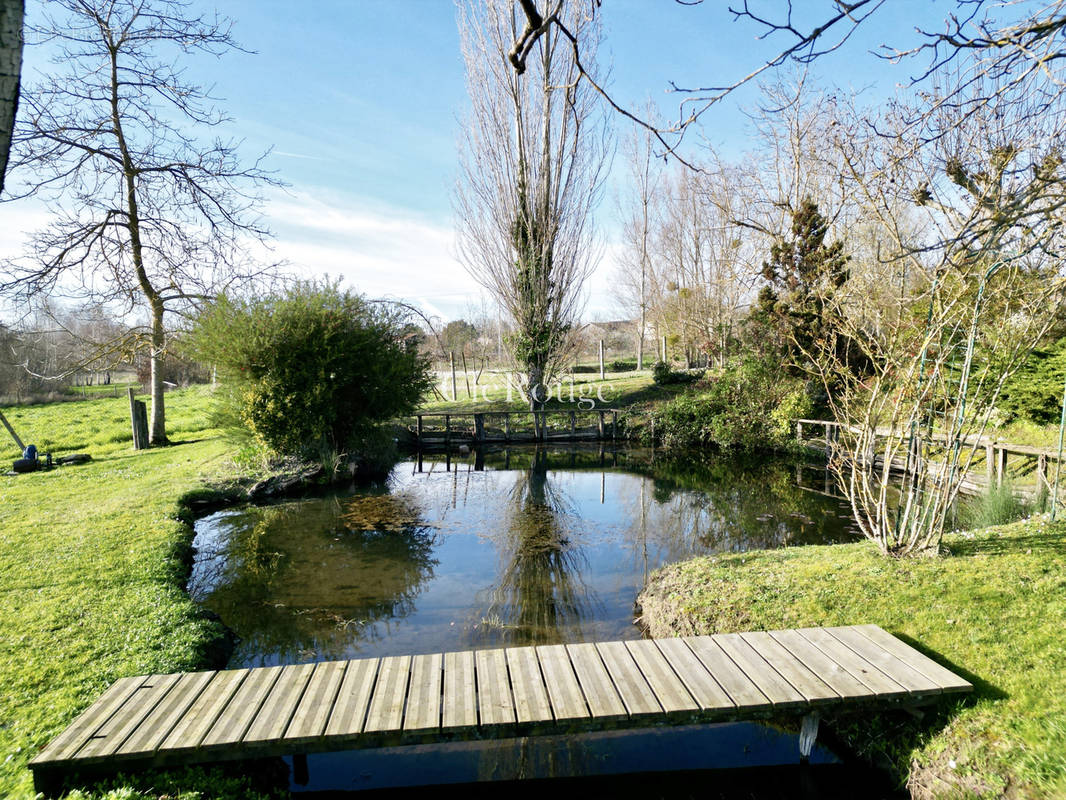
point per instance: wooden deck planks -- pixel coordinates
(237, 717)
(629, 681)
(109, 737)
(945, 678)
(353, 698)
(564, 690)
(859, 667)
(194, 724)
(423, 712)
(279, 706)
(669, 689)
(495, 703)
(154, 728)
(71, 740)
(596, 684)
(531, 703)
(312, 714)
(740, 688)
(460, 692)
(778, 690)
(471, 694)
(387, 702)
(902, 673)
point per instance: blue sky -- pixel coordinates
(361, 101)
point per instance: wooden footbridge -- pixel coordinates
(197, 717)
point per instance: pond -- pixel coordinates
(524, 545)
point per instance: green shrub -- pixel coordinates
(748, 407)
(313, 370)
(663, 374)
(1034, 392)
(997, 505)
(621, 365)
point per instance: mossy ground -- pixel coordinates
(93, 560)
(992, 608)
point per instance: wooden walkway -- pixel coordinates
(159, 720)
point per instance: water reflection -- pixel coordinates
(311, 581)
(523, 545)
(541, 596)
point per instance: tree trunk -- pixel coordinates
(157, 432)
(11, 12)
(535, 388)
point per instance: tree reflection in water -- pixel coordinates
(540, 597)
(310, 581)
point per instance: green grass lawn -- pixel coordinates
(993, 609)
(616, 390)
(92, 570)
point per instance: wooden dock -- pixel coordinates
(197, 717)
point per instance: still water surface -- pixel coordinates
(537, 547)
(516, 546)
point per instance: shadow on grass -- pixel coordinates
(1051, 542)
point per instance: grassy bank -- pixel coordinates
(92, 570)
(993, 609)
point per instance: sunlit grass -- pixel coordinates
(993, 609)
(93, 564)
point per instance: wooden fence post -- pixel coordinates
(602, 375)
(1041, 472)
(573, 424)
(990, 462)
(479, 427)
(139, 422)
(418, 430)
(1001, 465)
(543, 423)
(455, 396)
(614, 424)
(799, 431)
(507, 426)
(447, 430)
(601, 426)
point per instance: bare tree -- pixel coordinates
(11, 12)
(147, 217)
(532, 170)
(983, 268)
(638, 208)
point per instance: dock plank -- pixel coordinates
(564, 690)
(859, 667)
(353, 698)
(530, 697)
(424, 697)
(74, 736)
(194, 724)
(110, 736)
(154, 728)
(390, 692)
(312, 714)
(704, 689)
(629, 681)
(460, 692)
(779, 691)
(945, 678)
(238, 715)
(162, 720)
(668, 687)
(843, 682)
(596, 684)
(280, 705)
(813, 688)
(902, 672)
(495, 702)
(740, 688)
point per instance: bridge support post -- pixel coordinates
(808, 733)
